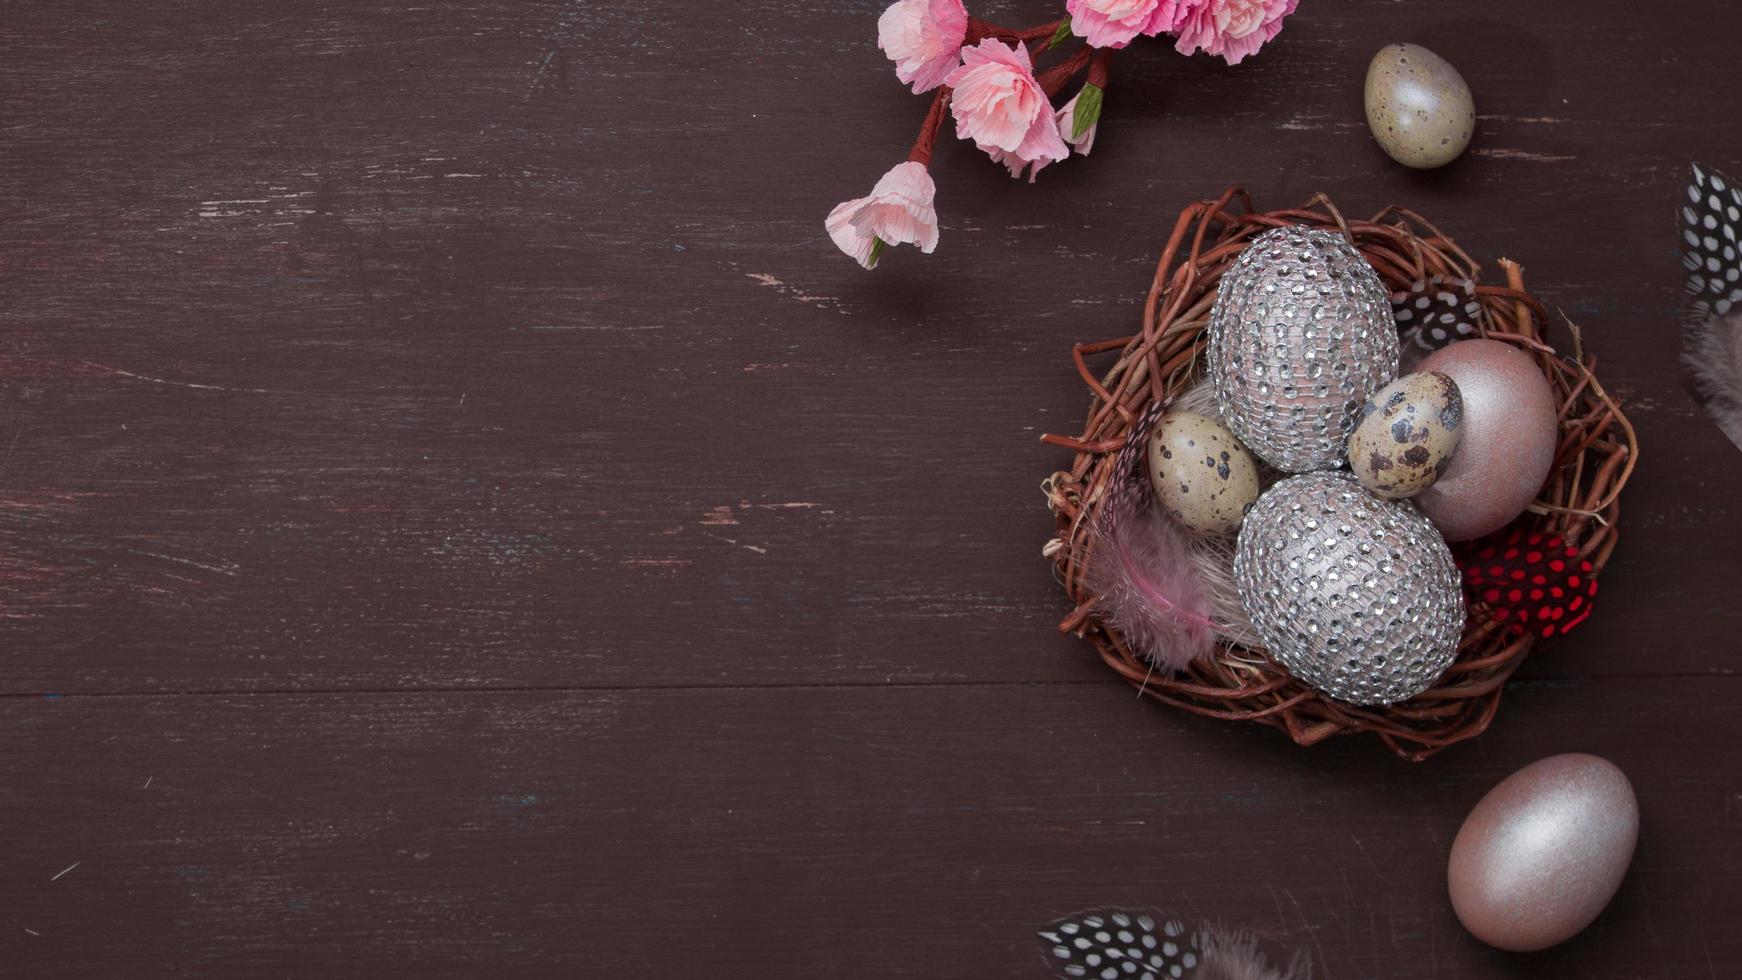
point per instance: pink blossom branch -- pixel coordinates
(1004, 105)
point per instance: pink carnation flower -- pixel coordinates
(1114, 23)
(999, 105)
(1067, 121)
(1230, 28)
(923, 38)
(898, 211)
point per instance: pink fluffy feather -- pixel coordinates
(1149, 587)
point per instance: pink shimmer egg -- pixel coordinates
(1541, 855)
(1510, 429)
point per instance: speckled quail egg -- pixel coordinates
(1406, 434)
(1201, 474)
(1418, 106)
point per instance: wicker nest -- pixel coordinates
(1595, 456)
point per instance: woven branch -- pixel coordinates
(1594, 458)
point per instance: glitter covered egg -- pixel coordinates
(1301, 335)
(1355, 595)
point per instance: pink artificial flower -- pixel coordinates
(1067, 121)
(1015, 164)
(1230, 28)
(924, 39)
(1114, 23)
(898, 211)
(999, 105)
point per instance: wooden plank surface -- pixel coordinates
(411, 409)
(797, 832)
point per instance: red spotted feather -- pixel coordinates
(1531, 583)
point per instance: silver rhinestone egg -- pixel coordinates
(1301, 335)
(1355, 595)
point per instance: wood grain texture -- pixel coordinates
(406, 410)
(795, 832)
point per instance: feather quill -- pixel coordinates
(1142, 566)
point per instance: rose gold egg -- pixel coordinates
(1508, 444)
(1541, 855)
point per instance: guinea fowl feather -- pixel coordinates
(1116, 944)
(1711, 230)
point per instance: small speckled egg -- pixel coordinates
(1418, 106)
(1201, 473)
(1405, 435)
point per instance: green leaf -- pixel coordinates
(876, 252)
(1088, 110)
(1058, 36)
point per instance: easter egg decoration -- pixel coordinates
(1301, 334)
(1407, 434)
(1202, 476)
(1418, 106)
(1541, 855)
(1352, 594)
(1511, 425)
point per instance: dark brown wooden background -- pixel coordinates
(458, 515)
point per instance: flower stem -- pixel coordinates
(928, 130)
(1098, 68)
(1054, 78)
(1041, 31)
(978, 29)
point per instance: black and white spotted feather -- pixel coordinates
(1120, 945)
(1114, 945)
(1711, 234)
(1711, 217)
(1434, 312)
